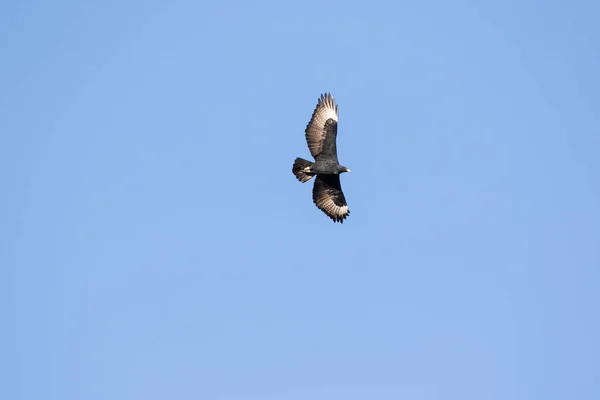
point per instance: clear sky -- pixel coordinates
(155, 244)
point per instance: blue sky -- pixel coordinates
(155, 243)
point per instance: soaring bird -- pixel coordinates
(321, 135)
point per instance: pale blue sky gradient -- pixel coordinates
(155, 244)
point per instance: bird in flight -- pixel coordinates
(321, 135)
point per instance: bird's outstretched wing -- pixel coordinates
(329, 198)
(321, 131)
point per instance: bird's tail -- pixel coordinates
(299, 165)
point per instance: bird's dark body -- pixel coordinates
(327, 167)
(321, 136)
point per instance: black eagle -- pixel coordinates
(321, 134)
